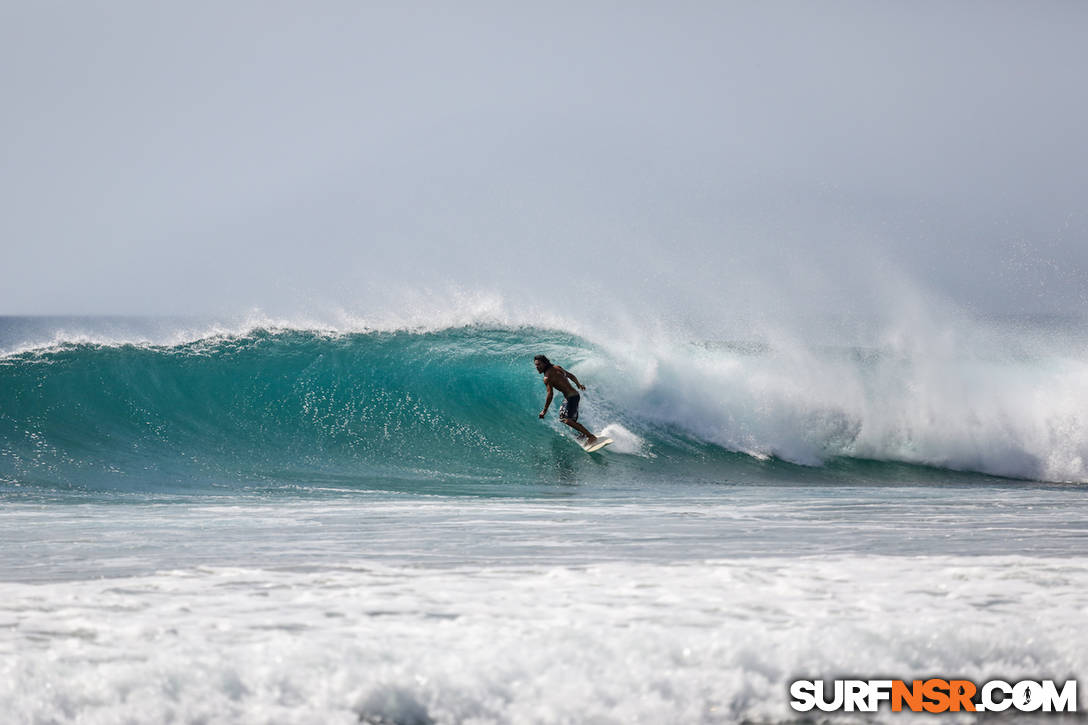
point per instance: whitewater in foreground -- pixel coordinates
(295, 524)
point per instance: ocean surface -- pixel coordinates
(274, 521)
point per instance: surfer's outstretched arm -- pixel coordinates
(570, 375)
(548, 401)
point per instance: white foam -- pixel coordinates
(709, 642)
(951, 397)
(624, 441)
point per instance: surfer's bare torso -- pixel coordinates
(556, 377)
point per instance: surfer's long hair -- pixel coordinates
(544, 359)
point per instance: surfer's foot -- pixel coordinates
(591, 438)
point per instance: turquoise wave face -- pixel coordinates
(277, 406)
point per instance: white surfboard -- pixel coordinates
(597, 445)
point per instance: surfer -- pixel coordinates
(555, 377)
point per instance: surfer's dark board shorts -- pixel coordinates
(569, 409)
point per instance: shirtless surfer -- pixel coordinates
(555, 378)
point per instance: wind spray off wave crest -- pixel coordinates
(962, 405)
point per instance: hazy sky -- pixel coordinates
(212, 156)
